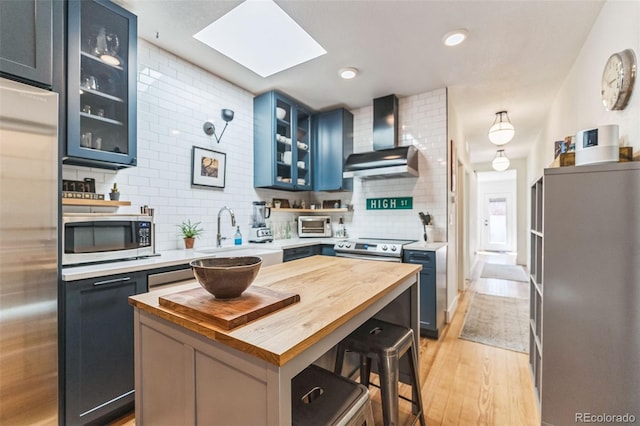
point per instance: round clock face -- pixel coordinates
(617, 80)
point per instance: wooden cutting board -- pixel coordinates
(228, 313)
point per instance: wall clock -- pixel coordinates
(617, 80)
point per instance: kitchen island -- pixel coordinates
(191, 372)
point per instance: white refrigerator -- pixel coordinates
(591, 295)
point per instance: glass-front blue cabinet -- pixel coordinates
(101, 96)
(282, 145)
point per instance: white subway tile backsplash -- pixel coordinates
(175, 98)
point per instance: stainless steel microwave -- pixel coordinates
(314, 226)
(96, 237)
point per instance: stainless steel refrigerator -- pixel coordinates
(28, 255)
(591, 295)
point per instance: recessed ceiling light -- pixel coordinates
(262, 37)
(454, 38)
(348, 73)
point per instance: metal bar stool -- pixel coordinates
(320, 397)
(385, 343)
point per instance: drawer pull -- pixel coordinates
(115, 280)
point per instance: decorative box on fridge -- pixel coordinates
(599, 145)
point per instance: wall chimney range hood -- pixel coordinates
(387, 158)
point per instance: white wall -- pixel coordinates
(578, 104)
(423, 120)
(175, 98)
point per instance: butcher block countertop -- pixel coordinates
(332, 291)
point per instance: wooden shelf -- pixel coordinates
(96, 203)
(341, 210)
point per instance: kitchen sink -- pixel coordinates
(270, 256)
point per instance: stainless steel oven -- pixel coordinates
(371, 249)
(96, 237)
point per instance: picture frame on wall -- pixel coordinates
(208, 168)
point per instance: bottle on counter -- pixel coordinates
(237, 240)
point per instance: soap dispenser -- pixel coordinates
(237, 240)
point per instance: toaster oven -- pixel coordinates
(314, 226)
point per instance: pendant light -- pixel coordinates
(500, 163)
(502, 130)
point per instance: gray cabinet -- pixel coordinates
(98, 343)
(101, 82)
(334, 142)
(282, 143)
(591, 275)
(26, 40)
(433, 290)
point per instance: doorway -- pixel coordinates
(497, 218)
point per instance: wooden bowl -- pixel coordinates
(226, 277)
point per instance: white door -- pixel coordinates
(498, 225)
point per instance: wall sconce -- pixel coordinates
(210, 129)
(502, 131)
(500, 163)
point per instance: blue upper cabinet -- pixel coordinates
(26, 40)
(101, 85)
(333, 131)
(282, 143)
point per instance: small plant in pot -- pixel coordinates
(114, 194)
(189, 231)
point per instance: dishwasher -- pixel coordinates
(166, 280)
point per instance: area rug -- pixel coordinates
(498, 321)
(504, 272)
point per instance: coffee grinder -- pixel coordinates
(259, 231)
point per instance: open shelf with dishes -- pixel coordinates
(94, 203)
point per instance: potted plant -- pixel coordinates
(189, 231)
(114, 194)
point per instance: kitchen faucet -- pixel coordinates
(219, 237)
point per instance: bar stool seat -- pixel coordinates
(385, 343)
(321, 397)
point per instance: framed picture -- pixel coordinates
(208, 167)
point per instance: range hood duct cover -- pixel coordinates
(394, 162)
(387, 159)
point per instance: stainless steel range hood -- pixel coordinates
(387, 159)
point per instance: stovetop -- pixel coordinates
(377, 246)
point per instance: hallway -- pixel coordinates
(468, 383)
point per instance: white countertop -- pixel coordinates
(421, 245)
(180, 257)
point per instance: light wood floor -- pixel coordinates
(463, 382)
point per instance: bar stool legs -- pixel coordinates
(386, 343)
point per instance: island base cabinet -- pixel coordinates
(176, 376)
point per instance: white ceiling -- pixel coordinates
(515, 59)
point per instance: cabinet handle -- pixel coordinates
(115, 280)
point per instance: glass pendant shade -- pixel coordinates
(500, 163)
(502, 131)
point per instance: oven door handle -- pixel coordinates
(115, 280)
(365, 257)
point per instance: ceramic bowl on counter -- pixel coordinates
(226, 277)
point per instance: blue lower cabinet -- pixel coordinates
(300, 252)
(433, 289)
(98, 341)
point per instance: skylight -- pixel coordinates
(262, 37)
